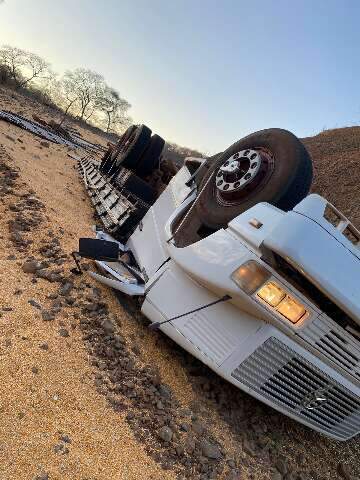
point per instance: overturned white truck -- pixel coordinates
(250, 275)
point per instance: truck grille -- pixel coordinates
(284, 377)
(335, 343)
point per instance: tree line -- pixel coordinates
(80, 93)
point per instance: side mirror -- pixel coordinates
(96, 250)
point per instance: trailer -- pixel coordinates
(237, 264)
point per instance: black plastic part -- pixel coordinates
(98, 249)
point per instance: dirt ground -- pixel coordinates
(70, 409)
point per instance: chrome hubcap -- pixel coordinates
(238, 171)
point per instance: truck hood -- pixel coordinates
(321, 251)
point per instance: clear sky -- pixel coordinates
(204, 73)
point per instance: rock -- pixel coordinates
(302, 476)
(47, 316)
(233, 475)
(11, 257)
(42, 476)
(179, 450)
(301, 459)
(281, 465)
(108, 326)
(35, 370)
(63, 332)
(164, 391)
(49, 276)
(185, 427)
(31, 267)
(210, 450)
(135, 349)
(276, 475)
(58, 448)
(249, 447)
(165, 433)
(198, 428)
(65, 438)
(159, 405)
(44, 346)
(190, 445)
(45, 144)
(65, 289)
(344, 471)
(34, 303)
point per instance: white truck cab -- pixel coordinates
(270, 301)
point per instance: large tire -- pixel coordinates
(133, 148)
(283, 180)
(110, 165)
(128, 132)
(151, 157)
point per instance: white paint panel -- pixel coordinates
(217, 330)
(148, 242)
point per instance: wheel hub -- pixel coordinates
(238, 171)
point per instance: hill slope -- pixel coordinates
(336, 158)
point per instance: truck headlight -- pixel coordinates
(291, 309)
(271, 293)
(250, 276)
(283, 303)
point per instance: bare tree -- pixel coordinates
(113, 107)
(87, 86)
(65, 96)
(35, 67)
(80, 92)
(13, 60)
(23, 67)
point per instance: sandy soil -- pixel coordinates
(36, 408)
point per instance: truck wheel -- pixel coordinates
(267, 166)
(110, 166)
(133, 147)
(125, 136)
(151, 157)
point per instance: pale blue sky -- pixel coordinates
(204, 73)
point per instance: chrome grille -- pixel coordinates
(284, 377)
(334, 343)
